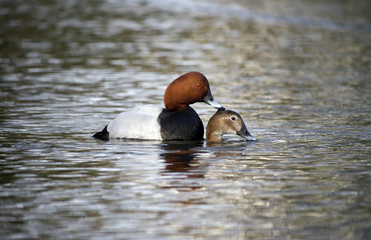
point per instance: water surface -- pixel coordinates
(298, 72)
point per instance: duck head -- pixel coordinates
(187, 89)
(226, 122)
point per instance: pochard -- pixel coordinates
(177, 121)
(226, 122)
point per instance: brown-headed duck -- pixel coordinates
(226, 122)
(177, 121)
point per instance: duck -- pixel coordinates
(226, 122)
(177, 121)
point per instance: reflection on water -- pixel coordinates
(179, 156)
(298, 72)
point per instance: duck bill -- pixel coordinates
(209, 99)
(250, 138)
(245, 134)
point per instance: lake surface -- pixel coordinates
(298, 72)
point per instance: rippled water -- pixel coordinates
(297, 71)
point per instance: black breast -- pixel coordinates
(183, 125)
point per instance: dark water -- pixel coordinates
(297, 71)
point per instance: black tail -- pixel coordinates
(103, 135)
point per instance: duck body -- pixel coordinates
(136, 123)
(154, 123)
(177, 121)
(183, 125)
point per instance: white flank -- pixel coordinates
(139, 123)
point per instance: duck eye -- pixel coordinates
(233, 118)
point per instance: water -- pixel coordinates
(297, 71)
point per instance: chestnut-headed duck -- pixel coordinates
(177, 121)
(226, 122)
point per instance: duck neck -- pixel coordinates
(213, 136)
(175, 107)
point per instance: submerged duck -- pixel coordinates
(177, 121)
(226, 122)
